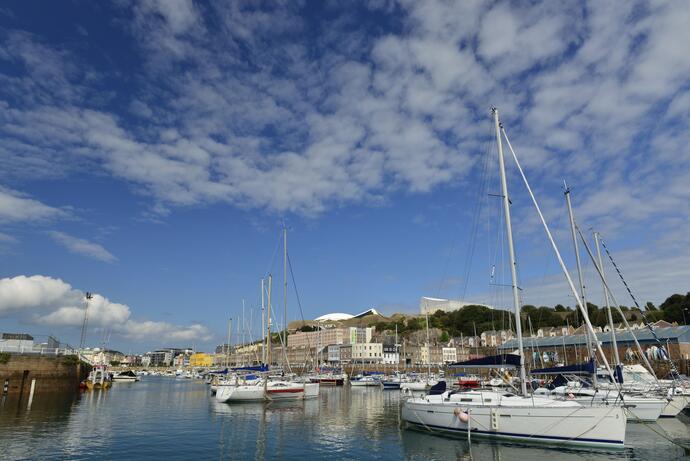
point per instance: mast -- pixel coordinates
(227, 348)
(285, 285)
(263, 326)
(577, 262)
(397, 354)
(428, 350)
(511, 252)
(554, 247)
(268, 322)
(614, 344)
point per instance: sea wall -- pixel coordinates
(48, 374)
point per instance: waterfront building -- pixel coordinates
(367, 353)
(391, 356)
(200, 359)
(449, 354)
(675, 339)
(334, 354)
(324, 336)
(16, 342)
(493, 338)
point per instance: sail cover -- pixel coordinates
(254, 368)
(492, 361)
(586, 368)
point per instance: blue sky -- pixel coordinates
(151, 150)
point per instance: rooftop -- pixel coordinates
(679, 334)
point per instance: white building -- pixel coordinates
(391, 356)
(450, 355)
(367, 353)
(431, 305)
(324, 336)
(16, 342)
(334, 353)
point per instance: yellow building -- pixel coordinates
(200, 359)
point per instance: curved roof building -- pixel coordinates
(334, 317)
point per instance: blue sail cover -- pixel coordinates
(587, 368)
(492, 361)
(221, 372)
(259, 368)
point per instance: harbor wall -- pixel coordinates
(48, 374)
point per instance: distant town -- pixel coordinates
(444, 332)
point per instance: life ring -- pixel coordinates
(461, 415)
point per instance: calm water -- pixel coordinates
(173, 419)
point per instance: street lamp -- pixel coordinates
(683, 310)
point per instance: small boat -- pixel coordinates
(125, 376)
(365, 381)
(97, 379)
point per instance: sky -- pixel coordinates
(151, 151)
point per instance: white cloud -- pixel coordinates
(48, 301)
(83, 247)
(37, 291)
(265, 116)
(17, 207)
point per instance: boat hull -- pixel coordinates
(365, 383)
(675, 406)
(234, 394)
(602, 427)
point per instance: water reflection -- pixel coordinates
(165, 418)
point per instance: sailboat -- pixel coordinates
(504, 415)
(638, 407)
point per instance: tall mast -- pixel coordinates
(614, 344)
(285, 284)
(428, 349)
(227, 348)
(397, 354)
(263, 324)
(511, 252)
(577, 258)
(268, 322)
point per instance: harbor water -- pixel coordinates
(176, 419)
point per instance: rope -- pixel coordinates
(665, 353)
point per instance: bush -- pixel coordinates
(4, 357)
(70, 360)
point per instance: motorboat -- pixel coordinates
(365, 381)
(125, 376)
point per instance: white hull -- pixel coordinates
(124, 379)
(365, 383)
(636, 409)
(521, 419)
(283, 390)
(232, 393)
(417, 385)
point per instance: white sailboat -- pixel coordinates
(519, 417)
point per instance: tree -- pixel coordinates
(114, 363)
(650, 306)
(676, 308)
(560, 308)
(444, 337)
